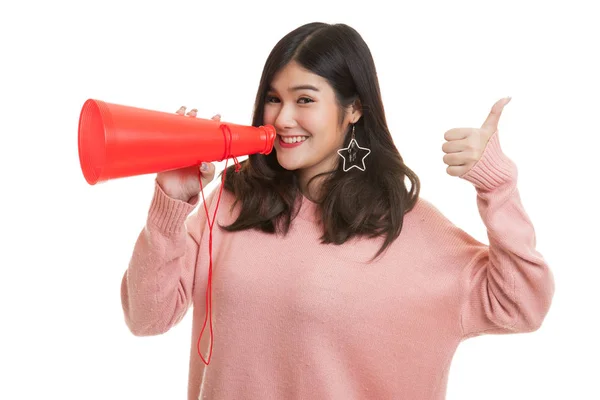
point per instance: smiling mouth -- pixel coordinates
(292, 139)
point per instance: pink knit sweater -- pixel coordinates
(296, 319)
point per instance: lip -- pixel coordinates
(292, 135)
(288, 145)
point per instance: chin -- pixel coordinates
(290, 163)
(290, 166)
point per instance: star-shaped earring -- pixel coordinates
(350, 154)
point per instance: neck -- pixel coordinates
(312, 192)
(305, 175)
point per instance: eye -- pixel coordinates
(305, 98)
(301, 100)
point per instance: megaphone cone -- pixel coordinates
(117, 141)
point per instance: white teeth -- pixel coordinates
(294, 139)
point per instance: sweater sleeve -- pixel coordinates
(507, 286)
(157, 287)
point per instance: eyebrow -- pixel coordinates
(299, 87)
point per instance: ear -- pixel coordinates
(355, 111)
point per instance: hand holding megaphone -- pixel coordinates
(182, 184)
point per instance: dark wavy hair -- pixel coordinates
(354, 203)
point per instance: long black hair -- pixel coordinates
(366, 203)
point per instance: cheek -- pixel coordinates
(316, 121)
(325, 128)
(269, 116)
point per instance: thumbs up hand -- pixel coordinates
(465, 146)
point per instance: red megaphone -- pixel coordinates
(117, 141)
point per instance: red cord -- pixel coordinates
(208, 303)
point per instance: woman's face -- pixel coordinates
(303, 109)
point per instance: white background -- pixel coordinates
(66, 244)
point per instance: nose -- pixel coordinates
(285, 119)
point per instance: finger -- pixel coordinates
(454, 170)
(454, 159)
(181, 110)
(457, 133)
(491, 122)
(207, 169)
(455, 146)
(193, 112)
